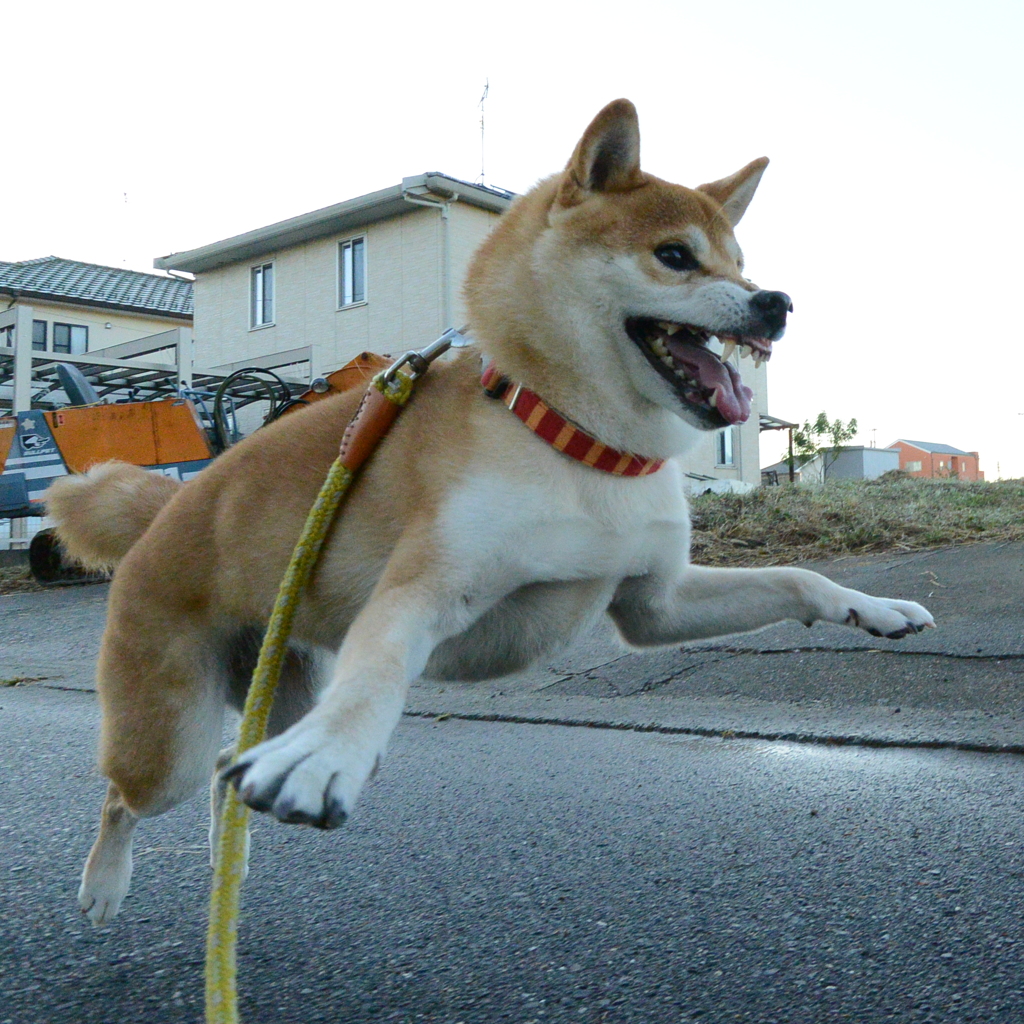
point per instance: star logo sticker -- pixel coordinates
(28, 424)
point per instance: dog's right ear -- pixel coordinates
(607, 158)
(735, 192)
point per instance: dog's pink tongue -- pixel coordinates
(732, 396)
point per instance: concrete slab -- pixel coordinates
(54, 634)
(961, 684)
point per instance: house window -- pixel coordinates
(71, 339)
(7, 336)
(39, 335)
(913, 467)
(351, 272)
(724, 439)
(261, 303)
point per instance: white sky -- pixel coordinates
(891, 212)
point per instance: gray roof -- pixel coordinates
(936, 449)
(89, 284)
(331, 220)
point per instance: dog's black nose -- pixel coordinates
(772, 307)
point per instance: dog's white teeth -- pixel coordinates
(758, 360)
(658, 347)
(681, 374)
(728, 348)
(713, 399)
(746, 351)
(667, 360)
(668, 328)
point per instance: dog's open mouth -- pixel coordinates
(695, 362)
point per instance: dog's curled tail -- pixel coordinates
(100, 514)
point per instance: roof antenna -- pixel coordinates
(483, 99)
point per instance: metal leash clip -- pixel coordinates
(420, 359)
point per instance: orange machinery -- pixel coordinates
(37, 447)
(165, 435)
(354, 374)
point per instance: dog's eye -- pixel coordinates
(677, 256)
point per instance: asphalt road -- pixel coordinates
(537, 873)
(507, 868)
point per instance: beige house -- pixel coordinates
(67, 308)
(382, 273)
(97, 318)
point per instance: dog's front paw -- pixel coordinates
(308, 775)
(881, 616)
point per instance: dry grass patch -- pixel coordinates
(16, 579)
(776, 525)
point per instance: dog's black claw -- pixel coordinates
(333, 816)
(264, 801)
(234, 773)
(286, 812)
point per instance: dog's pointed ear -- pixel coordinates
(736, 191)
(607, 158)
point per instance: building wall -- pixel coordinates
(468, 229)
(746, 466)
(853, 463)
(876, 461)
(123, 326)
(937, 465)
(403, 309)
(404, 293)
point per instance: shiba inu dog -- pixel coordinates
(498, 519)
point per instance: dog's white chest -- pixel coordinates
(581, 525)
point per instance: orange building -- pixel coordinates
(937, 461)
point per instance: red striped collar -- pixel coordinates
(562, 435)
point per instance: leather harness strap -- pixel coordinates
(560, 433)
(371, 422)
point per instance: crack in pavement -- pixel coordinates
(815, 739)
(822, 649)
(583, 672)
(652, 685)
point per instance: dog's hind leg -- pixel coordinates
(163, 699)
(108, 871)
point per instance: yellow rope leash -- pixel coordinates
(222, 934)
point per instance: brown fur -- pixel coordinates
(467, 547)
(216, 554)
